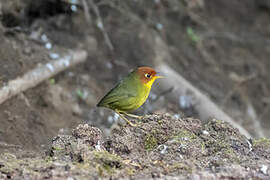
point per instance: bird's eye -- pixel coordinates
(147, 75)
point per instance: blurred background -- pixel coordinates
(220, 47)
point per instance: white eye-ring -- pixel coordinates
(147, 75)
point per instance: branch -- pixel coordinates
(86, 11)
(39, 74)
(100, 25)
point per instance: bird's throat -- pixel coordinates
(150, 83)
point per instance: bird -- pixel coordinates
(130, 93)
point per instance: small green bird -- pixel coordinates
(130, 93)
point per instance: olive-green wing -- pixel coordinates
(121, 103)
(121, 97)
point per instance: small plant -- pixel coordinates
(80, 93)
(192, 35)
(52, 81)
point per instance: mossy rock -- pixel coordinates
(262, 142)
(150, 142)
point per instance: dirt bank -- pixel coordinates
(161, 147)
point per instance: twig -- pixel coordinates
(100, 25)
(86, 11)
(23, 97)
(196, 18)
(39, 74)
(124, 11)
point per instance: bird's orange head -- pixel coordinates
(147, 75)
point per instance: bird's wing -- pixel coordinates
(120, 95)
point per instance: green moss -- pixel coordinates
(220, 147)
(221, 144)
(203, 146)
(229, 151)
(106, 162)
(231, 156)
(49, 159)
(28, 166)
(262, 142)
(104, 169)
(84, 165)
(218, 121)
(10, 161)
(105, 156)
(220, 127)
(57, 148)
(179, 166)
(160, 122)
(130, 171)
(150, 142)
(184, 136)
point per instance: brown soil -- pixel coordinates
(160, 147)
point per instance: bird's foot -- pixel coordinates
(134, 116)
(132, 124)
(128, 121)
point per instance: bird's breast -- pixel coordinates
(142, 95)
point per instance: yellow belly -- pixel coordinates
(135, 102)
(140, 101)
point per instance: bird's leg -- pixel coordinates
(123, 117)
(133, 115)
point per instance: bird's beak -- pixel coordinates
(157, 77)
